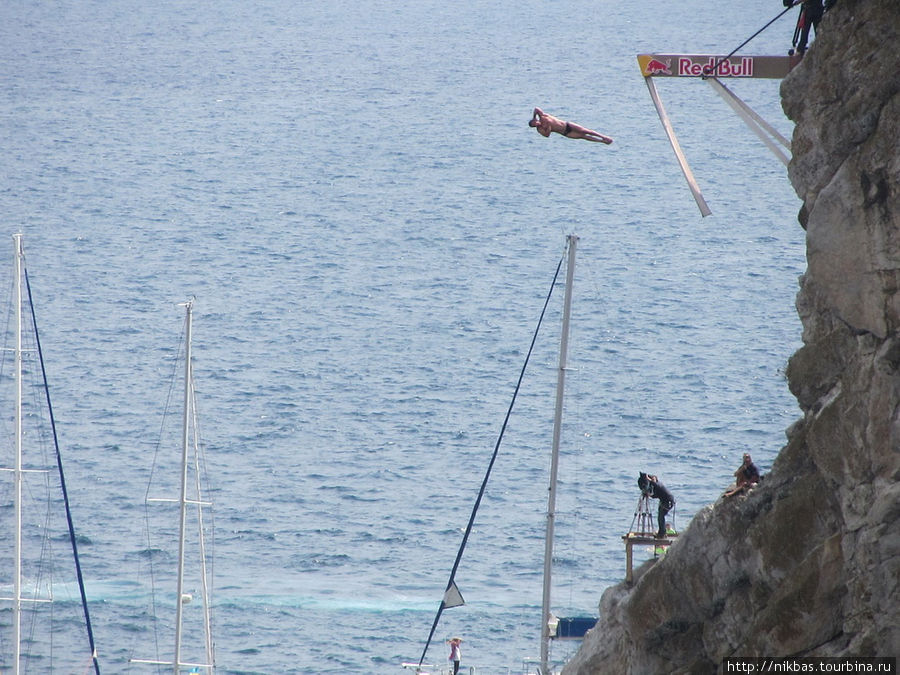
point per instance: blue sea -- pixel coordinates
(369, 228)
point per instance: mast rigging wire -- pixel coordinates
(714, 70)
(451, 582)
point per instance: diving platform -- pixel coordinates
(633, 539)
(712, 65)
(714, 69)
(643, 533)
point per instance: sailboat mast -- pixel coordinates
(185, 438)
(554, 460)
(17, 480)
(204, 577)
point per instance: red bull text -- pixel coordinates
(724, 68)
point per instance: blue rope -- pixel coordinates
(62, 480)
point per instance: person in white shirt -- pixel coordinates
(454, 653)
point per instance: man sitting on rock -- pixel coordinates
(747, 474)
(746, 477)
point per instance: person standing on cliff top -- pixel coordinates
(811, 13)
(651, 487)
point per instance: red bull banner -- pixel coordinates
(699, 65)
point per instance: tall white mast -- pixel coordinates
(188, 441)
(17, 581)
(185, 440)
(554, 461)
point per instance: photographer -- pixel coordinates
(651, 487)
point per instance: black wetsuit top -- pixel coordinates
(659, 491)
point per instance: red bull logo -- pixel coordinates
(657, 67)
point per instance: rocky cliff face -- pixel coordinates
(809, 562)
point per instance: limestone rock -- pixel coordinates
(808, 563)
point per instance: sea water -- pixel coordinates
(352, 194)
